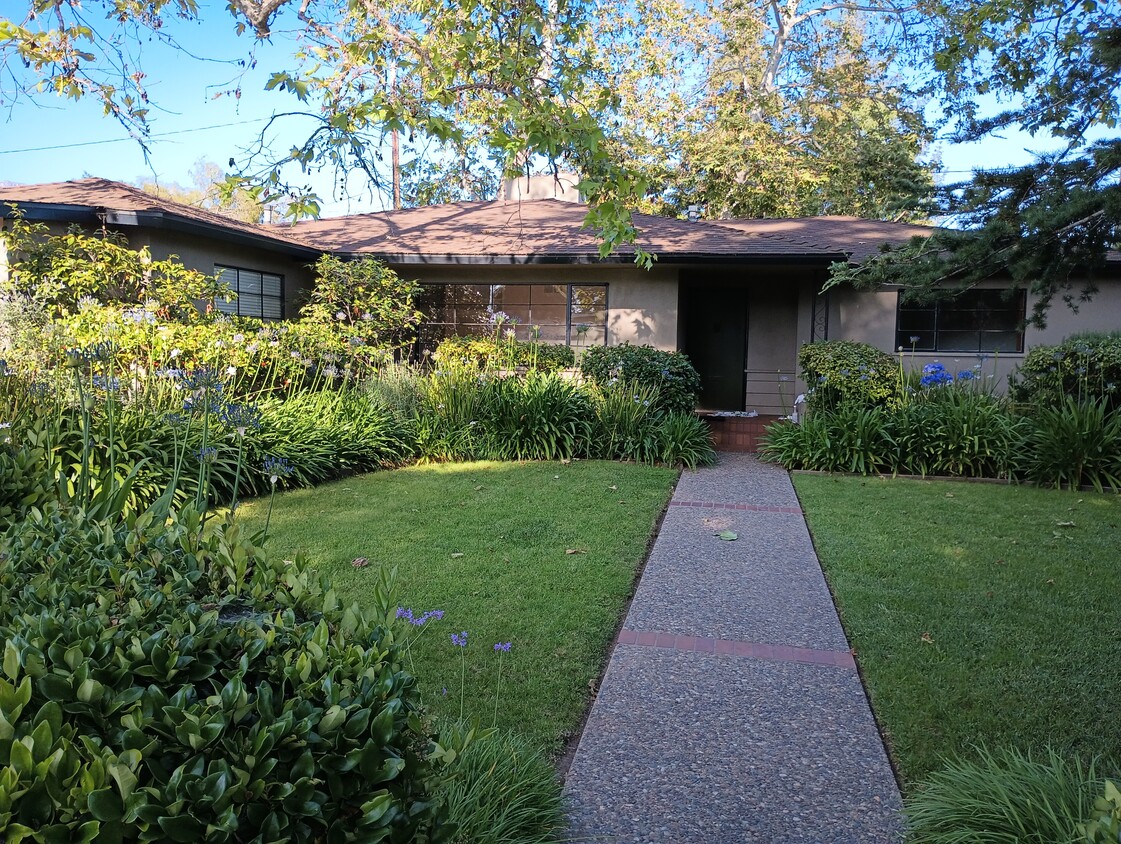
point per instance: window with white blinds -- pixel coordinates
(259, 295)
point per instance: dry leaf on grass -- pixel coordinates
(360, 562)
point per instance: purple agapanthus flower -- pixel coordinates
(502, 646)
(460, 639)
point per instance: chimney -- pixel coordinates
(562, 186)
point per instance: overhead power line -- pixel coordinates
(131, 140)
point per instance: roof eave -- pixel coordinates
(185, 225)
(662, 258)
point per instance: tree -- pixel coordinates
(206, 192)
(762, 108)
(1044, 227)
(796, 128)
(517, 76)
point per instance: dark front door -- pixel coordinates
(716, 340)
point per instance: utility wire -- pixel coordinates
(132, 140)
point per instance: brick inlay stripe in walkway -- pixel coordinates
(733, 647)
(754, 508)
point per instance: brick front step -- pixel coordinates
(737, 433)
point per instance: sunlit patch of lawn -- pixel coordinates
(980, 614)
(542, 555)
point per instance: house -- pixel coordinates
(739, 296)
(269, 265)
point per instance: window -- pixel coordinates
(973, 321)
(259, 295)
(575, 314)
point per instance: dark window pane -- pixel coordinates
(588, 299)
(916, 321)
(508, 295)
(959, 341)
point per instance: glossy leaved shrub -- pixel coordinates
(167, 681)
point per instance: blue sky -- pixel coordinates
(49, 139)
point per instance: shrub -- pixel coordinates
(1003, 798)
(670, 373)
(486, 353)
(168, 681)
(684, 440)
(1078, 442)
(1087, 367)
(840, 372)
(539, 417)
(625, 416)
(502, 790)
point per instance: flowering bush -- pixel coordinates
(1086, 367)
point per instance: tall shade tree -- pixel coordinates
(1046, 227)
(761, 108)
(516, 77)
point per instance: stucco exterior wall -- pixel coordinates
(642, 306)
(870, 317)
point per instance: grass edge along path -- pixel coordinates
(544, 556)
(981, 615)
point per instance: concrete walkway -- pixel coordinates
(731, 710)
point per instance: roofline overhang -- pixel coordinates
(94, 215)
(661, 259)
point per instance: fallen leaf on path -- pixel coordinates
(728, 535)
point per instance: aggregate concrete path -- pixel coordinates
(731, 710)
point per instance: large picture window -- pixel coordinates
(259, 294)
(973, 321)
(575, 314)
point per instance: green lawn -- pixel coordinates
(488, 543)
(980, 614)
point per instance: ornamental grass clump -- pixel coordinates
(1004, 797)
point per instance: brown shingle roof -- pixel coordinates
(535, 230)
(116, 199)
(858, 238)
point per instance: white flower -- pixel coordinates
(176, 352)
(341, 315)
(295, 355)
(231, 370)
(237, 338)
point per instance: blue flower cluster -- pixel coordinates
(419, 620)
(936, 375)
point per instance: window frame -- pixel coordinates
(1014, 306)
(221, 268)
(569, 323)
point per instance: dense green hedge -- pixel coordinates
(506, 353)
(840, 372)
(670, 373)
(170, 682)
